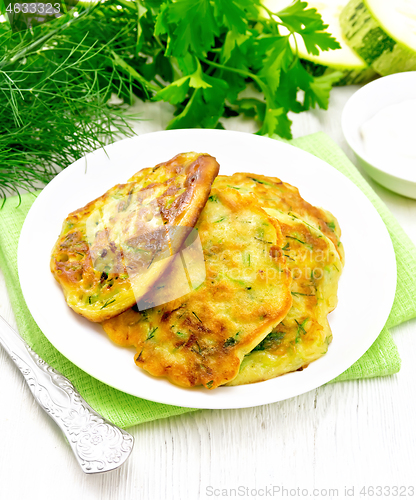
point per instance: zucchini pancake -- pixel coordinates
(271, 192)
(214, 280)
(315, 256)
(202, 337)
(111, 252)
(304, 335)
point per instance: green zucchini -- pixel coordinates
(354, 68)
(382, 32)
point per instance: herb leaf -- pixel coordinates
(107, 303)
(308, 23)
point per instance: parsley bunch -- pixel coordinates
(212, 49)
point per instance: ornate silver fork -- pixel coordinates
(98, 445)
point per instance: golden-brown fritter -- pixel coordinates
(304, 334)
(202, 337)
(112, 251)
(271, 192)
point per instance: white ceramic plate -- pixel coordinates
(366, 290)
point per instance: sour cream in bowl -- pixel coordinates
(379, 124)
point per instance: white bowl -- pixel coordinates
(362, 106)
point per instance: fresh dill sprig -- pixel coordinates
(55, 83)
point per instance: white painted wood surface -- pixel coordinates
(346, 435)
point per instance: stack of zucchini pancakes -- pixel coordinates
(215, 280)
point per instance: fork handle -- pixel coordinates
(98, 445)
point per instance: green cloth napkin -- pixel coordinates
(125, 410)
